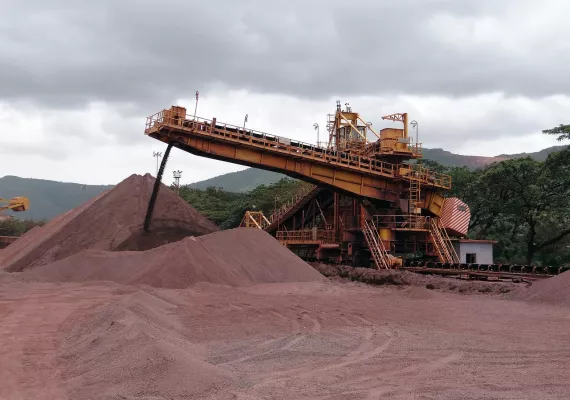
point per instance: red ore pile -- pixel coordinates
(235, 257)
(112, 221)
(135, 348)
(555, 290)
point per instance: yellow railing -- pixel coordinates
(393, 221)
(303, 191)
(307, 236)
(294, 148)
(424, 175)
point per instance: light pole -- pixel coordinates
(177, 176)
(196, 106)
(414, 124)
(245, 121)
(157, 155)
(316, 127)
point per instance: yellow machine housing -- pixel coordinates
(16, 204)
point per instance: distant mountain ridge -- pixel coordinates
(47, 198)
(248, 179)
(51, 198)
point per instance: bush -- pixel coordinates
(17, 227)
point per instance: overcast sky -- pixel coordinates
(77, 79)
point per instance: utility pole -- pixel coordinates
(316, 127)
(158, 155)
(177, 176)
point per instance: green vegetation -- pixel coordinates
(47, 198)
(522, 203)
(563, 131)
(241, 181)
(249, 179)
(17, 227)
(226, 209)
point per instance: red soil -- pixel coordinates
(111, 221)
(235, 315)
(77, 341)
(555, 290)
(234, 257)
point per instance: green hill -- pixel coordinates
(241, 181)
(47, 198)
(248, 179)
(51, 198)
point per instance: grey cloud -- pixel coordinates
(151, 52)
(34, 149)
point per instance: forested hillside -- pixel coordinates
(523, 203)
(47, 198)
(250, 178)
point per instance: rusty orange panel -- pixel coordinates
(434, 202)
(222, 150)
(323, 171)
(379, 188)
(248, 155)
(273, 161)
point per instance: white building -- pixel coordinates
(474, 251)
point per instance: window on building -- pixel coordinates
(471, 258)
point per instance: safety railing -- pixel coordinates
(420, 173)
(306, 236)
(393, 221)
(303, 191)
(387, 146)
(442, 242)
(376, 246)
(292, 147)
(254, 219)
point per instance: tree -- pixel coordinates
(531, 203)
(17, 227)
(563, 132)
(226, 209)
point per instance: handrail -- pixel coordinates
(294, 147)
(442, 242)
(405, 221)
(379, 253)
(307, 236)
(301, 193)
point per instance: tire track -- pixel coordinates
(311, 370)
(283, 343)
(419, 372)
(356, 358)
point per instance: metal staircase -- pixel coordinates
(442, 243)
(377, 249)
(414, 195)
(303, 195)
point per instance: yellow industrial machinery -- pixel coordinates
(254, 219)
(365, 201)
(15, 204)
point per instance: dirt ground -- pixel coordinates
(315, 340)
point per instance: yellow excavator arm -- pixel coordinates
(15, 204)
